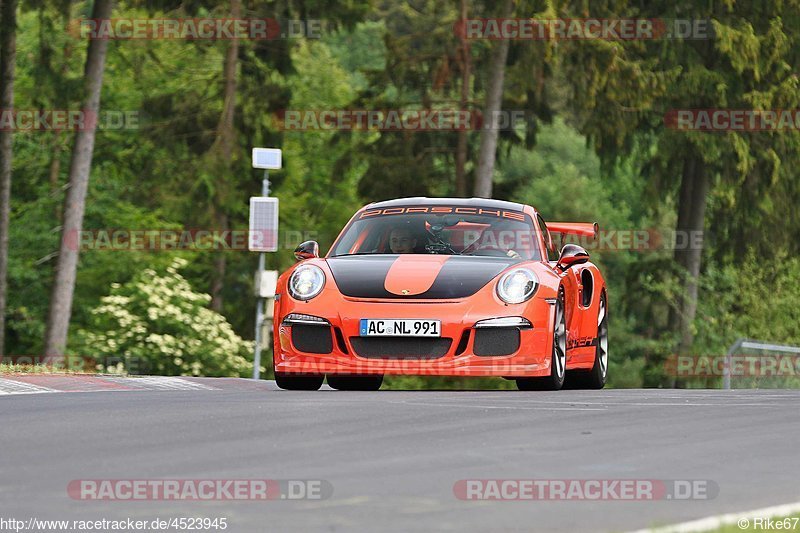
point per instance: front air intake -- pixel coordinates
(312, 339)
(496, 341)
(400, 347)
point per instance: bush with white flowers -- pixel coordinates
(156, 324)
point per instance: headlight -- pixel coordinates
(306, 282)
(517, 285)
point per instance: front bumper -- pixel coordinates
(466, 354)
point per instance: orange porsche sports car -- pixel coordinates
(446, 287)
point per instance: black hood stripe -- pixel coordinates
(364, 276)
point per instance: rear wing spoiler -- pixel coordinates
(584, 229)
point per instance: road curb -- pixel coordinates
(14, 384)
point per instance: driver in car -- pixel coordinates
(401, 241)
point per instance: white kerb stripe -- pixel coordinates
(160, 383)
(10, 386)
(715, 522)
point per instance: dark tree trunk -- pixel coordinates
(223, 151)
(691, 222)
(694, 255)
(684, 207)
(494, 101)
(8, 54)
(461, 149)
(220, 265)
(62, 102)
(74, 204)
(225, 132)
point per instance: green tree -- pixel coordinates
(80, 167)
(623, 89)
(158, 325)
(8, 51)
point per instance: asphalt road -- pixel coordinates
(393, 457)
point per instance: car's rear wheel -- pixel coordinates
(558, 358)
(596, 377)
(599, 374)
(299, 382)
(349, 382)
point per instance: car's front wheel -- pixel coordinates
(346, 382)
(558, 358)
(299, 382)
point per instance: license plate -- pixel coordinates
(400, 328)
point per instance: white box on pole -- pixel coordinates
(266, 283)
(267, 158)
(263, 235)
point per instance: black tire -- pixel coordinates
(597, 376)
(558, 358)
(350, 382)
(299, 382)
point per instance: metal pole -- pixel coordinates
(726, 371)
(259, 299)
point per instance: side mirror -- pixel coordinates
(307, 250)
(572, 254)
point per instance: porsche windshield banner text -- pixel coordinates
(442, 210)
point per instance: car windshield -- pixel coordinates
(467, 231)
